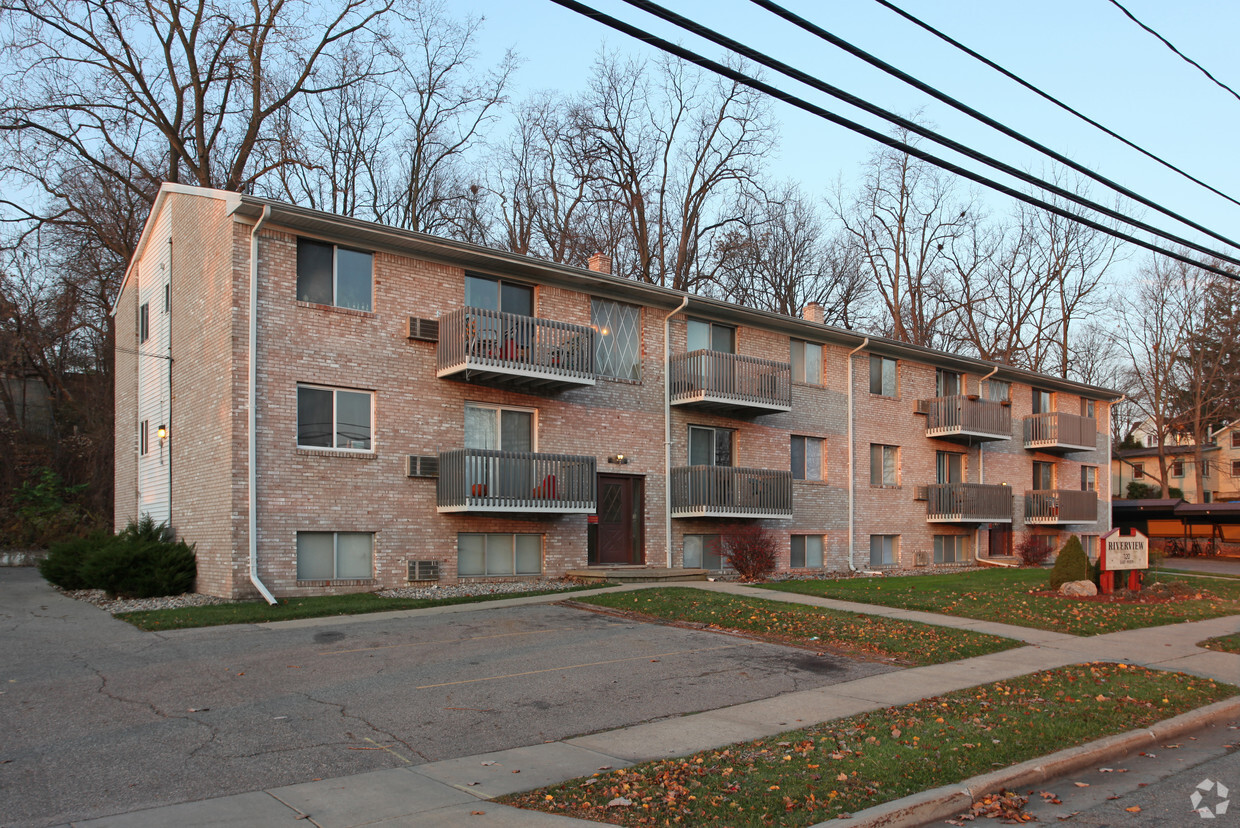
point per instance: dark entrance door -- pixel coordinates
(620, 520)
(1000, 540)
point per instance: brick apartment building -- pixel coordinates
(323, 404)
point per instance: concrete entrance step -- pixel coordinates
(999, 560)
(637, 574)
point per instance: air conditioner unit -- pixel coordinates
(426, 330)
(921, 559)
(921, 493)
(423, 465)
(424, 570)
(921, 407)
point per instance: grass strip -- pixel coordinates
(843, 766)
(321, 606)
(1224, 643)
(1005, 595)
(803, 625)
(1197, 572)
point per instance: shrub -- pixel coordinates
(1071, 565)
(63, 564)
(1032, 550)
(750, 550)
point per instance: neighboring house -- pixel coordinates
(1220, 474)
(323, 404)
(25, 401)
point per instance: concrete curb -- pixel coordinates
(950, 800)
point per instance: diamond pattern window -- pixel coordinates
(617, 340)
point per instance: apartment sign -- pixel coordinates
(1127, 552)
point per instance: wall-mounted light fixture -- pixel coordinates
(618, 459)
(162, 432)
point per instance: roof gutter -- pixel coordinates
(252, 421)
(852, 456)
(667, 425)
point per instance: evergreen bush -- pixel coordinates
(142, 561)
(63, 564)
(1071, 565)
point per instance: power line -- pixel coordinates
(822, 34)
(765, 88)
(1167, 43)
(1052, 99)
(796, 74)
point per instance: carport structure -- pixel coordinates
(1179, 527)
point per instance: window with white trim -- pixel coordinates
(951, 549)
(1235, 468)
(1138, 470)
(328, 274)
(806, 358)
(883, 376)
(480, 554)
(807, 552)
(1177, 468)
(144, 322)
(884, 550)
(144, 439)
(334, 418)
(499, 428)
(807, 454)
(335, 556)
(703, 552)
(884, 465)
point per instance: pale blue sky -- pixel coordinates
(1082, 51)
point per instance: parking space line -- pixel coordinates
(432, 643)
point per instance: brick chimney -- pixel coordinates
(812, 312)
(600, 263)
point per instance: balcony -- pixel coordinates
(730, 384)
(968, 503)
(523, 353)
(729, 492)
(967, 419)
(1061, 433)
(482, 481)
(1050, 507)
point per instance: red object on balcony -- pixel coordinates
(479, 490)
(547, 489)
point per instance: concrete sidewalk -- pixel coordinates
(456, 791)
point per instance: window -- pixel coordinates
(1088, 408)
(144, 440)
(946, 383)
(710, 446)
(333, 418)
(806, 360)
(1138, 470)
(331, 556)
(1043, 401)
(486, 293)
(1090, 544)
(884, 549)
(998, 390)
(167, 298)
(1151, 440)
(498, 553)
(1043, 475)
(499, 428)
(1235, 468)
(703, 552)
(806, 552)
(951, 549)
(1235, 439)
(144, 322)
(1205, 468)
(884, 465)
(331, 275)
(882, 376)
(949, 467)
(806, 458)
(710, 336)
(1177, 468)
(617, 339)
(1089, 478)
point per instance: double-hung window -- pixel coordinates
(1235, 468)
(1138, 470)
(1088, 408)
(498, 553)
(884, 465)
(1089, 478)
(806, 458)
(883, 376)
(806, 552)
(1177, 468)
(330, 556)
(806, 358)
(617, 339)
(331, 275)
(334, 418)
(1043, 476)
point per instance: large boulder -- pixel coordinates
(1078, 589)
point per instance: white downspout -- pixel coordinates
(252, 446)
(981, 464)
(667, 426)
(852, 456)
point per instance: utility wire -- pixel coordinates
(800, 103)
(912, 126)
(1052, 99)
(857, 52)
(1167, 43)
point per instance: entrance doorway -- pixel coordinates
(1000, 540)
(618, 537)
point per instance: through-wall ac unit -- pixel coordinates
(424, 570)
(423, 465)
(426, 330)
(921, 493)
(921, 407)
(921, 559)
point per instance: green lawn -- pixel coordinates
(799, 624)
(256, 612)
(840, 767)
(1005, 595)
(1225, 643)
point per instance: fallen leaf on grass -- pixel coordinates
(1081, 784)
(1133, 809)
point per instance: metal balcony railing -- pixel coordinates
(726, 491)
(1057, 431)
(1050, 506)
(507, 348)
(968, 503)
(483, 480)
(962, 417)
(714, 379)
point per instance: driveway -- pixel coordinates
(1216, 564)
(100, 718)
